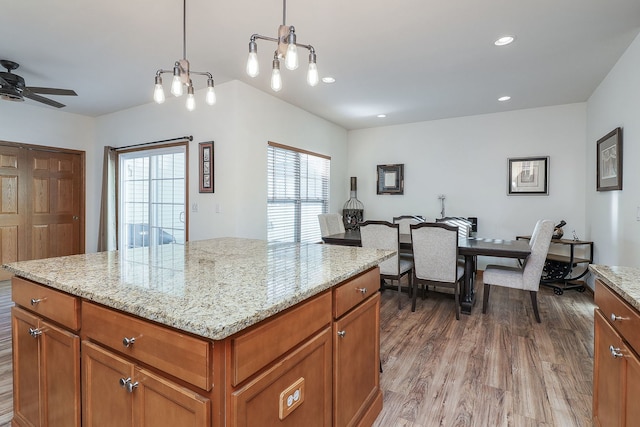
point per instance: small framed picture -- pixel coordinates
(609, 161)
(391, 179)
(206, 167)
(528, 176)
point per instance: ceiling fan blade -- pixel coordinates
(3, 82)
(51, 91)
(42, 99)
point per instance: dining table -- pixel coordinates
(469, 248)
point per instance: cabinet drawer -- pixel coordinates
(47, 302)
(183, 356)
(628, 324)
(263, 401)
(356, 290)
(255, 349)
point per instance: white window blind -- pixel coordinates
(298, 191)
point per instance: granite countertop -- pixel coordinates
(625, 281)
(212, 288)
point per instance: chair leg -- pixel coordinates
(456, 292)
(399, 294)
(534, 302)
(485, 298)
(414, 286)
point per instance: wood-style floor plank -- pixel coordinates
(497, 369)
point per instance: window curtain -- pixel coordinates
(107, 240)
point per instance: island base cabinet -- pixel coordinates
(118, 393)
(46, 366)
(295, 391)
(356, 392)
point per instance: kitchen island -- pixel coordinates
(222, 332)
(616, 373)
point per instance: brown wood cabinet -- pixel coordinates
(46, 366)
(616, 378)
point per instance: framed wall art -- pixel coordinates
(391, 179)
(206, 167)
(609, 161)
(528, 176)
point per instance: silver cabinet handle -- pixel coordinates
(614, 317)
(128, 342)
(124, 381)
(131, 386)
(36, 301)
(362, 290)
(35, 333)
(342, 334)
(615, 352)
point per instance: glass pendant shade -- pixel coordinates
(353, 209)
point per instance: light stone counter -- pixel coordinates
(625, 281)
(212, 288)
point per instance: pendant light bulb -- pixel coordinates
(210, 98)
(253, 69)
(291, 58)
(312, 73)
(158, 92)
(191, 100)
(276, 78)
(176, 86)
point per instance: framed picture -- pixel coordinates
(390, 179)
(206, 167)
(528, 176)
(609, 161)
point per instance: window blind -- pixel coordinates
(298, 190)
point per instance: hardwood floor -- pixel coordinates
(497, 369)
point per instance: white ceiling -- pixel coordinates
(413, 60)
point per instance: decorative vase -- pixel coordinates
(353, 209)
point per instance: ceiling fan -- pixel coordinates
(13, 88)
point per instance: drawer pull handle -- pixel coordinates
(35, 333)
(342, 334)
(124, 382)
(615, 352)
(614, 317)
(131, 386)
(128, 342)
(362, 290)
(36, 301)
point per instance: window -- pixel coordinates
(152, 196)
(298, 191)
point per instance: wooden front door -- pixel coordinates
(41, 205)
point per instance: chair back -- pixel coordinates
(533, 265)
(435, 251)
(382, 235)
(463, 224)
(406, 220)
(330, 223)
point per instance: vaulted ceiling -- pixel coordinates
(412, 60)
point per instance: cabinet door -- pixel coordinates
(158, 402)
(632, 388)
(60, 376)
(105, 402)
(356, 381)
(607, 375)
(26, 367)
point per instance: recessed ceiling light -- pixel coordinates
(505, 40)
(504, 98)
(382, 116)
(328, 80)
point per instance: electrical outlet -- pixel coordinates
(291, 398)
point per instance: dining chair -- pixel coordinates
(526, 277)
(405, 221)
(330, 223)
(384, 235)
(463, 224)
(435, 259)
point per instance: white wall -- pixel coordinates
(611, 215)
(24, 123)
(240, 124)
(465, 158)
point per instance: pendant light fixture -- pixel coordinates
(182, 75)
(287, 50)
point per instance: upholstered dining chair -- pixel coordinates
(384, 235)
(405, 221)
(330, 223)
(435, 258)
(526, 277)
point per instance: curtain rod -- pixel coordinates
(190, 138)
